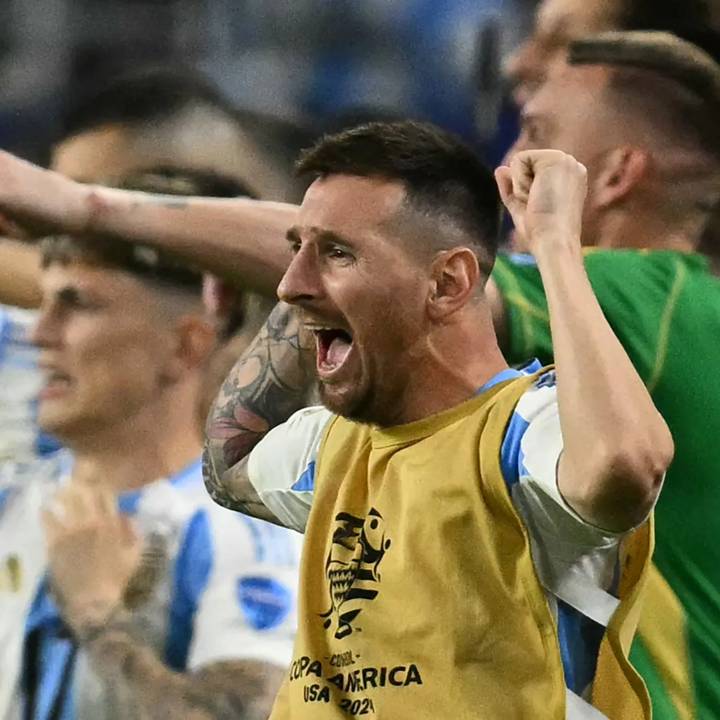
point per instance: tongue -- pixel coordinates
(337, 351)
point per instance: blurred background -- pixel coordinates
(318, 63)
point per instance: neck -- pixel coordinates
(156, 443)
(457, 360)
(640, 230)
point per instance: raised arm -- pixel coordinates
(242, 239)
(271, 380)
(616, 445)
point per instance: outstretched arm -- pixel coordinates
(241, 239)
(269, 382)
(617, 447)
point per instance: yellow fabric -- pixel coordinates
(663, 631)
(419, 597)
(614, 671)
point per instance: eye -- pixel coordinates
(294, 247)
(338, 252)
(531, 133)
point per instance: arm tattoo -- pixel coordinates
(268, 383)
(228, 690)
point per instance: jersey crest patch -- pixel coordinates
(352, 568)
(265, 602)
(10, 574)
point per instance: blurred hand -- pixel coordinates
(544, 191)
(93, 553)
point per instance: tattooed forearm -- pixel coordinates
(232, 690)
(268, 383)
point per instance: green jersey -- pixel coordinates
(665, 308)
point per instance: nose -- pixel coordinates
(45, 332)
(524, 69)
(301, 282)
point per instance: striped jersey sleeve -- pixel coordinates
(281, 467)
(575, 561)
(530, 455)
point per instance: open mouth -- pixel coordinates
(333, 347)
(55, 381)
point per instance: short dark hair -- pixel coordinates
(673, 83)
(148, 263)
(690, 20)
(140, 96)
(667, 15)
(442, 175)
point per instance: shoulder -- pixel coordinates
(281, 467)
(533, 428)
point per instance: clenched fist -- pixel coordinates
(544, 191)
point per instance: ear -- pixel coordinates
(455, 278)
(195, 340)
(617, 178)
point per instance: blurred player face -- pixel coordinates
(113, 152)
(557, 23)
(104, 349)
(568, 113)
(361, 293)
(99, 155)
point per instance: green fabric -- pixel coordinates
(662, 705)
(665, 309)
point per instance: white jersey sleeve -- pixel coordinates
(241, 576)
(281, 466)
(562, 541)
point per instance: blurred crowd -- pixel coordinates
(150, 385)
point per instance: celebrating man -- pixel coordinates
(437, 485)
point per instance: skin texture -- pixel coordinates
(113, 151)
(267, 384)
(194, 138)
(125, 363)
(353, 269)
(97, 155)
(644, 179)
(335, 280)
(91, 545)
(89, 318)
(568, 113)
(557, 23)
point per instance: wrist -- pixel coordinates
(90, 628)
(91, 614)
(553, 249)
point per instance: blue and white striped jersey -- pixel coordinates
(571, 556)
(226, 590)
(20, 379)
